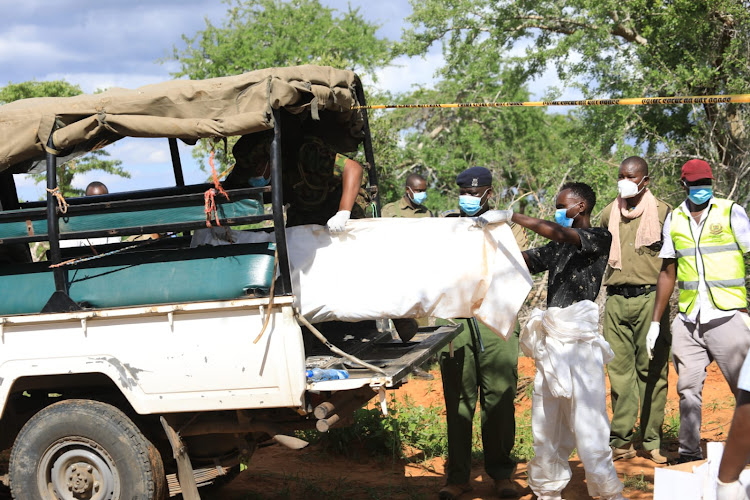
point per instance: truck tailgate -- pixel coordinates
(396, 358)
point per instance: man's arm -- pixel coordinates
(664, 288)
(351, 180)
(737, 451)
(550, 230)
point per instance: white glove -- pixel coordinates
(493, 217)
(337, 223)
(651, 336)
(730, 491)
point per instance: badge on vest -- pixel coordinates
(715, 229)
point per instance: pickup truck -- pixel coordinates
(146, 367)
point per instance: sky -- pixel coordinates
(124, 43)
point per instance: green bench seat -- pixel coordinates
(134, 218)
(144, 278)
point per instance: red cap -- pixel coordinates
(696, 169)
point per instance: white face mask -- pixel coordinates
(628, 189)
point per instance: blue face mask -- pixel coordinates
(700, 194)
(470, 204)
(418, 197)
(562, 218)
(258, 181)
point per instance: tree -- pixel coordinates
(523, 148)
(92, 161)
(56, 88)
(615, 48)
(257, 34)
(96, 160)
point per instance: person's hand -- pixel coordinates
(651, 336)
(730, 491)
(337, 223)
(493, 217)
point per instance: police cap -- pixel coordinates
(473, 177)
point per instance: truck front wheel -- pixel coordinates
(81, 449)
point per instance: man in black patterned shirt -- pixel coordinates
(569, 400)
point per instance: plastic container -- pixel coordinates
(320, 374)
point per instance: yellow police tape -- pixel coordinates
(635, 101)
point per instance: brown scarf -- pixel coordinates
(649, 232)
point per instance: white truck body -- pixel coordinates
(167, 358)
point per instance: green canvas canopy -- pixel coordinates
(183, 109)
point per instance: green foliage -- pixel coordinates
(257, 34)
(636, 482)
(25, 90)
(371, 431)
(671, 426)
(423, 428)
(523, 449)
(523, 148)
(96, 160)
(611, 48)
(407, 428)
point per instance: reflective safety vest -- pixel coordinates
(721, 255)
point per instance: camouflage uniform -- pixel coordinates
(313, 186)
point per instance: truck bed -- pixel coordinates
(376, 347)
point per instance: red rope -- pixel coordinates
(209, 197)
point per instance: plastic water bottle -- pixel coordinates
(320, 374)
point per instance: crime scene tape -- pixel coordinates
(634, 101)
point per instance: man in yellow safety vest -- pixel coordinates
(704, 241)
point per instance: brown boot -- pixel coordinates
(655, 456)
(627, 452)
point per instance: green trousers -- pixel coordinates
(638, 384)
(490, 376)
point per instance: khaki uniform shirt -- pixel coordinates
(402, 208)
(641, 266)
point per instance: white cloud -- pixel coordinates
(26, 43)
(408, 72)
(90, 82)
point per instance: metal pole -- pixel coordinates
(53, 223)
(176, 164)
(369, 156)
(277, 204)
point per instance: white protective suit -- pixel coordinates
(569, 401)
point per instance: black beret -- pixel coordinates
(473, 177)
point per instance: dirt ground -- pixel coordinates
(276, 472)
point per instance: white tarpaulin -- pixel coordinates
(409, 268)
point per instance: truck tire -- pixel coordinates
(78, 449)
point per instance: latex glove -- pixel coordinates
(730, 491)
(493, 217)
(651, 336)
(337, 223)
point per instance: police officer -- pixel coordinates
(411, 204)
(635, 220)
(480, 365)
(704, 241)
